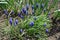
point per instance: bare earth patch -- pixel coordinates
(55, 37)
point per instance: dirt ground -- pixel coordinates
(55, 37)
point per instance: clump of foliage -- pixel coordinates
(32, 19)
(35, 27)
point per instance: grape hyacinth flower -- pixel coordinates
(47, 30)
(45, 24)
(23, 10)
(37, 5)
(32, 7)
(10, 20)
(27, 6)
(31, 23)
(21, 30)
(16, 22)
(5, 12)
(21, 16)
(42, 5)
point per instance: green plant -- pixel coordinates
(56, 14)
(34, 24)
(38, 30)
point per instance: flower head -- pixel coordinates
(47, 30)
(16, 22)
(21, 30)
(42, 5)
(5, 12)
(27, 6)
(31, 23)
(37, 5)
(10, 20)
(32, 7)
(21, 16)
(23, 10)
(45, 24)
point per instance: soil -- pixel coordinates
(2, 27)
(55, 37)
(55, 30)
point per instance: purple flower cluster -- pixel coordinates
(32, 7)
(21, 16)
(42, 5)
(45, 24)
(47, 30)
(5, 12)
(31, 23)
(11, 21)
(21, 30)
(16, 22)
(23, 10)
(27, 6)
(37, 5)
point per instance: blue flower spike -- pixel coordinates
(47, 30)
(27, 6)
(42, 5)
(32, 7)
(5, 12)
(10, 20)
(31, 23)
(22, 16)
(21, 30)
(23, 10)
(37, 5)
(19, 14)
(45, 24)
(16, 22)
